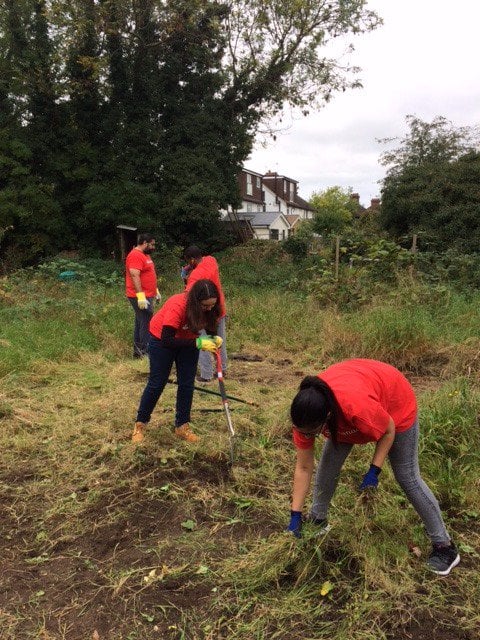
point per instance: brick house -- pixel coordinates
(270, 204)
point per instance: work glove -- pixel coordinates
(185, 272)
(217, 339)
(206, 343)
(295, 525)
(370, 479)
(158, 296)
(142, 301)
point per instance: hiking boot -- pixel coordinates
(203, 380)
(442, 559)
(184, 433)
(138, 435)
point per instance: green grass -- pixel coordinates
(165, 541)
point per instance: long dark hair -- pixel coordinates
(197, 317)
(313, 406)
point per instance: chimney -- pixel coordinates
(375, 203)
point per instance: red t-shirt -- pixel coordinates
(208, 270)
(136, 259)
(173, 314)
(368, 394)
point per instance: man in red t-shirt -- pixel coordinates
(200, 267)
(362, 401)
(141, 290)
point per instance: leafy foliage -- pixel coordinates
(142, 113)
(432, 185)
(428, 143)
(334, 209)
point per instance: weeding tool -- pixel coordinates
(215, 393)
(221, 384)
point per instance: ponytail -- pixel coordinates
(315, 405)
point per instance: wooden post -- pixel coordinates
(413, 249)
(337, 256)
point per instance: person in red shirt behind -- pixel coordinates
(356, 402)
(175, 339)
(199, 266)
(141, 289)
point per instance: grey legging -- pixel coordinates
(403, 458)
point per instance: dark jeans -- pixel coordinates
(161, 362)
(141, 334)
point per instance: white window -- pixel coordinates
(249, 184)
(273, 234)
(249, 207)
(292, 191)
(257, 182)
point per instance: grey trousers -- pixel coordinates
(403, 458)
(205, 360)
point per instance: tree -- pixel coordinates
(432, 184)
(334, 209)
(428, 143)
(439, 200)
(202, 142)
(27, 200)
(143, 112)
(276, 53)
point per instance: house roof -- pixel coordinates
(253, 199)
(254, 173)
(265, 219)
(302, 203)
(271, 175)
(292, 219)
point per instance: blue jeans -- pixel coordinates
(161, 362)
(141, 334)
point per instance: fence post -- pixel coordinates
(413, 250)
(337, 256)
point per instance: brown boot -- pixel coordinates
(184, 433)
(138, 435)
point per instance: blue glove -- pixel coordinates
(185, 272)
(370, 479)
(295, 525)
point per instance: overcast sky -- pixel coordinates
(424, 60)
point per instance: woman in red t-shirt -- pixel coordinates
(174, 337)
(355, 402)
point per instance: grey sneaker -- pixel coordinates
(322, 525)
(442, 559)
